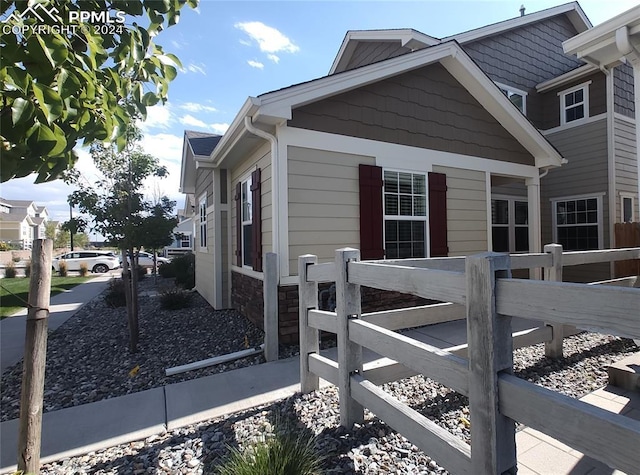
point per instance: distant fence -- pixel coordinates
(478, 288)
(627, 235)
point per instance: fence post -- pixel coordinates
(35, 354)
(309, 337)
(270, 292)
(493, 443)
(348, 306)
(553, 348)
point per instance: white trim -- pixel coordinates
(624, 118)
(248, 179)
(575, 123)
(203, 200)
(600, 223)
(517, 22)
(514, 91)
(585, 102)
(487, 193)
(623, 196)
(565, 78)
(246, 271)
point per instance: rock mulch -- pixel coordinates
(197, 333)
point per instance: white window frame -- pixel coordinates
(202, 221)
(248, 203)
(585, 102)
(391, 217)
(554, 216)
(627, 196)
(511, 200)
(512, 91)
(185, 238)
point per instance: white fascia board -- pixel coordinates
(406, 36)
(185, 183)
(231, 136)
(517, 22)
(566, 78)
(502, 109)
(280, 103)
(604, 33)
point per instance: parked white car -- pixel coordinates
(96, 261)
(145, 259)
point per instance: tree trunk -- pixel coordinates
(134, 297)
(126, 279)
(35, 353)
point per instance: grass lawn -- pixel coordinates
(14, 293)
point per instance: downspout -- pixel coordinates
(275, 183)
(611, 163)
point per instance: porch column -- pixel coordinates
(220, 207)
(535, 233)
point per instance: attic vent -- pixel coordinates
(521, 10)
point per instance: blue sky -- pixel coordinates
(234, 49)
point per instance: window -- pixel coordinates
(519, 98)
(626, 208)
(577, 223)
(185, 240)
(247, 222)
(510, 225)
(202, 207)
(405, 215)
(574, 103)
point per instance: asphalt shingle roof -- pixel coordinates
(201, 142)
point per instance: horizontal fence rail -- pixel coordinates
(478, 289)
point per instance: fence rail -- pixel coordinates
(478, 288)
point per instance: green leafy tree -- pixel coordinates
(157, 228)
(119, 208)
(82, 84)
(51, 229)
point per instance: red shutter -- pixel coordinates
(438, 214)
(371, 217)
(238, 199)
(256, 226)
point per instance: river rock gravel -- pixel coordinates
(88, 360)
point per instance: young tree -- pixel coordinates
(156, 231)
(81, 84)
(119, 208)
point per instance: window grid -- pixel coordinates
(510, 225)
(247, 221)
(574, 104)
(577, 224)
(405, 209)
(202, 207)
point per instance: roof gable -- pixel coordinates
(195, 144)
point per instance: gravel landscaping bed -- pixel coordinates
(88, 360)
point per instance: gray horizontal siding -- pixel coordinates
(626, 164)
(424, 108)
(368, 52)
(586, 173)
(623, 99)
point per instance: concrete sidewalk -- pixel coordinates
(62, 307)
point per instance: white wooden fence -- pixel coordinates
(478, 288)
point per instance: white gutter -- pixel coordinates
(275, 183)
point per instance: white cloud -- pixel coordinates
(268, 38)
(158, 117)
(195, 107)
(197, 68)
(219, 128)
(273, 58)
(192, 121)
(255, 64)
(168, 149)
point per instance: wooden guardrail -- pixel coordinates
(497, 399)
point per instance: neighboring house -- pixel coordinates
(183, 233)
(417, 147)
(21, 222)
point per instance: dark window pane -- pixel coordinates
(627, 210)
(246, 244)
(404, 250)
(405, 205)
(419, 206)
(404, 231)
(522, 212)
(581, 205)
(500, 239)
(391, 251)
(390, 182)
(391, 204)
(418, 249)
(522, 239)
(571, 206)
(500, 211)
(405, 182)
(391, 231)
(417, 233)
(419, 184)
(517, 99)
(581, 217)
(579, 95)
(592, 204)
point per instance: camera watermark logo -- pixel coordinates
(50, 20)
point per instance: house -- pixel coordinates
(22, 221)
(184, 232)
(413, 146)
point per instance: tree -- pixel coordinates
(64, 81)
(157, 229)
(51, 229)
(119, 208)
